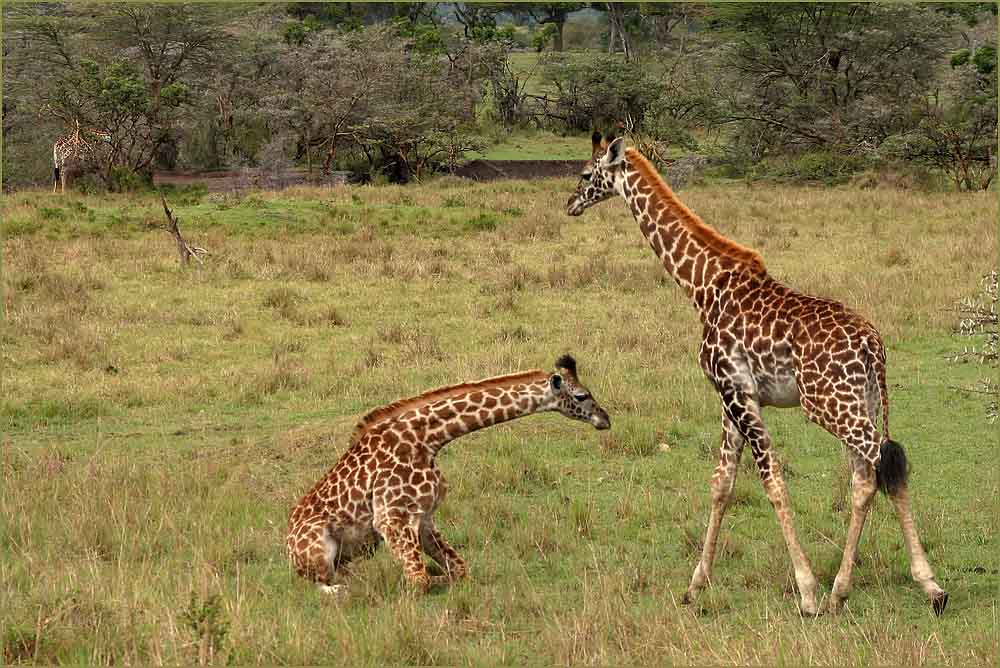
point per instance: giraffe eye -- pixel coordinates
(586, 177)
(581, 396)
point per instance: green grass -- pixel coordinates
(158, 424)
(538, 145)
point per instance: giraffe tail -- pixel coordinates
(56, 175)
(892, 469)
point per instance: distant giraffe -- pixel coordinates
(73, 148)
(763, 344)
(386, 486)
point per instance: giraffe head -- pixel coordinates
(600, 178)
(570, 397)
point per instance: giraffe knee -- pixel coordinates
(863, 493)
(722, 484)
(457, 568)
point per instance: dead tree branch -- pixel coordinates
(186, 250)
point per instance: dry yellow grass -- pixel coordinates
(158, 424)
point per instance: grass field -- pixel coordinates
(158, 424)
(538, 145)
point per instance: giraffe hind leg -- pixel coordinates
(862, 493)
(920, 568)
(890, 471)
(314, 552)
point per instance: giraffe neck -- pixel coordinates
(693, 253)
(487, 403)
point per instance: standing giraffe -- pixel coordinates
(387, 486)
(73, 148)
(763, 344)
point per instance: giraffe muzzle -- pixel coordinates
(573, 207)
(600, 420)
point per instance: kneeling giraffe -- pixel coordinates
(386, 486)
(764, 344)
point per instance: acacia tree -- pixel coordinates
(416, 116)
(391, 97)
(956, 129)
(830, 75)
(555, 13)
(126, 69)
(324, 87)
(229, 125)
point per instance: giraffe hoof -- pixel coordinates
(835, 604)
(809, 610)
(335, 590)
(686, 599)
(940, 602)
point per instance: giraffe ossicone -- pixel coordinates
(387, 485)
(764, 344)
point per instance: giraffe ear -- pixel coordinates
(615, 153)
(555, 381)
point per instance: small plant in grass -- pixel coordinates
(207, 620)
(484, 222)
(284, 301)
(19, 645)
(979, 322)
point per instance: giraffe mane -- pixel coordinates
(395, 409)
(690, 220)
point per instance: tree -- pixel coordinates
(555, 13)
(373, 90)
(130, 70)
(956, 129)
(597, 91)
(979, 322)
(618, 33)
(229, 124)
(477, 17)
(827, 75)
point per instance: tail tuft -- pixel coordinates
(56, 173)
(893, 469)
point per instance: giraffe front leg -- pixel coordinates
(435, 545)
(401, 532)
(722, 491)
(743, 410)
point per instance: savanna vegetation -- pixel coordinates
(159, 420)
(159, 423)
(785, 91)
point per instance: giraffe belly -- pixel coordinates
(356, 538)
(779, 391)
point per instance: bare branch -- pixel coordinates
(185, 250)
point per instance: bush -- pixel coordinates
(125, 180)
(828, 167)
